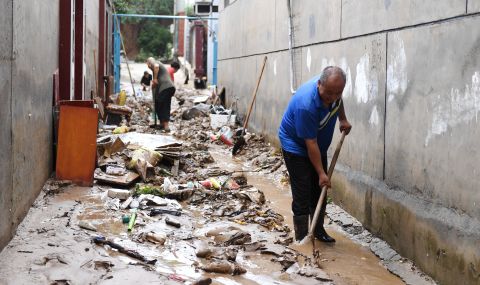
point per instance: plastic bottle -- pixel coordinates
(122, 98)
(226, 135)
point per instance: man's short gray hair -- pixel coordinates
(151, 61)
(329, 71)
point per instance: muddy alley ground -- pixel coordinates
(197, 214)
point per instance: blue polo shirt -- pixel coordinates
(307, 118)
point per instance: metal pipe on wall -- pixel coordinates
(290, 46)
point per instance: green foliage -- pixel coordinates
(146, 7)
(154, 39)
(189, 10)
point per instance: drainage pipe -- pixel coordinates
(290, 46)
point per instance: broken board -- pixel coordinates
(77, 144)
(123, 180)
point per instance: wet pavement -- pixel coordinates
(236, 232)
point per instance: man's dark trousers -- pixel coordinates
(306, 190)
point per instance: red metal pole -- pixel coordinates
(78, 50)
(64, 53)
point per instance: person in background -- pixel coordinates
(162, 90)
(146, 80)
(174, 67)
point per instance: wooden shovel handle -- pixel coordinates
(324, 188)
(254, 95)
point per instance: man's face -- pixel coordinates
(332, 90)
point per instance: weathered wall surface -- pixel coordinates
(29, 57)
(408, 169)
(5, 119)
(91, 45)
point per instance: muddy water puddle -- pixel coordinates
(346, 262)
(177, 258)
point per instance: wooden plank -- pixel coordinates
(100, 107)
(123, 180)
(77, 144)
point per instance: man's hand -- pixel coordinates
(345, 126)
(154, 83)
(324, 181)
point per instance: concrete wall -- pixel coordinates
(6, 119)
(408, 169)
(91, 45)
(29, 57)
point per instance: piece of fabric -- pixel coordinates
(304, 184)
(163, 102)
(307, 118)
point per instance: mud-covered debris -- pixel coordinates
(199, 146)
(53, 186)
(230, 184)
(223, 267)
(125, 180)
(211, 172)
(240, 178)
(172, 222)
(167, 191)
(61, 282)
(180, 195)
(107, 146)
(156, 237)
(170, 152)
(44, 260)
(105, 265)
(134, 204)
(311, 271)
(115, 170)
(112, 204)
(253, 194)
(239, 238)
(276, 166)
(273, 249)
(152, 200)
(103, 241)
(155, 212)
(230, 253)
(285, 261)
(203, 281)
(254, 246)
(126, 203)
(119, 193)
(204, 252)
(87, 225)
(222, 253)
(142, 160)
(195, 112)
(284, 241)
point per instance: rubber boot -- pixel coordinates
(320, 232)
(300, 226)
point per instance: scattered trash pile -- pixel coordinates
(166, 201)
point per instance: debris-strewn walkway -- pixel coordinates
(179, 209)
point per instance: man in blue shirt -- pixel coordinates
(305, 134)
